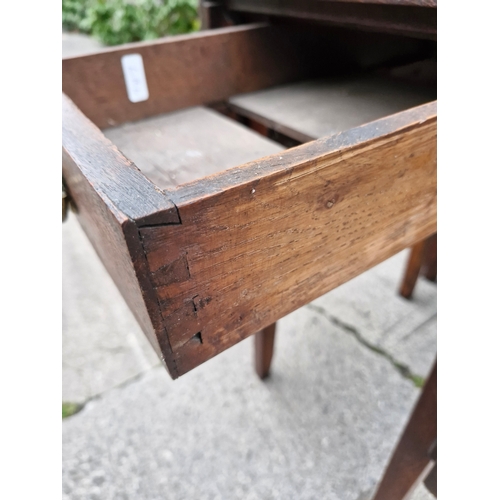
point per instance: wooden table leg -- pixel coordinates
(411, 456)
(264, 345)
(430, 259)
(412, 270)
(423, 256)
(431, 481)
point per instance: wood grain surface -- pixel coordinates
(184, 71)
(208, 262)
(258, 241)
(186, 145)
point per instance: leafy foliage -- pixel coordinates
(73, 13)
(122, 21)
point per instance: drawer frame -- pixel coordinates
(207, 264)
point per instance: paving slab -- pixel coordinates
(323, 426)
(77, 44)
(102, 344)
(370, 305)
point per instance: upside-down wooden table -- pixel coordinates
(223, 231)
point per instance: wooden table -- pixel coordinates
(223, 256)
(222, 232)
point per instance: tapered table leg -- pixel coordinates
(412, 270)
(264, 346)
(430, 259)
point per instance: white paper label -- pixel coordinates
(135, 78)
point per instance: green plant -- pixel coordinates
(122, 21)
(73, 12)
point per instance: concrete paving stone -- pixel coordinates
(322, 427)
(370, 303)
(422, 493)
(77, 44)
(103, 345)
(414, 348)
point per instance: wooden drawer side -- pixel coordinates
(183, 71)
(258, 241)
(207, 264)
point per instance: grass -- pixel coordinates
(418, 381)
(69, 409)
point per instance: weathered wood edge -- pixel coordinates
(115, 178)
(409, 3)
(285, 161)
(112, 197)
(408, 20)
(127, 47)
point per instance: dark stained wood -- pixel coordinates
(112, 175)
(206, 262)
(430, 259)
(414, 3)
(412, 270)
(422, 73)
(311, 109)
(431, 481)
(256, 125)
(214, 15)
(186, 145)
(109, 195)
(183, 71)
(411, 456)
(264, 346)
(258, 241)
(409, 20)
